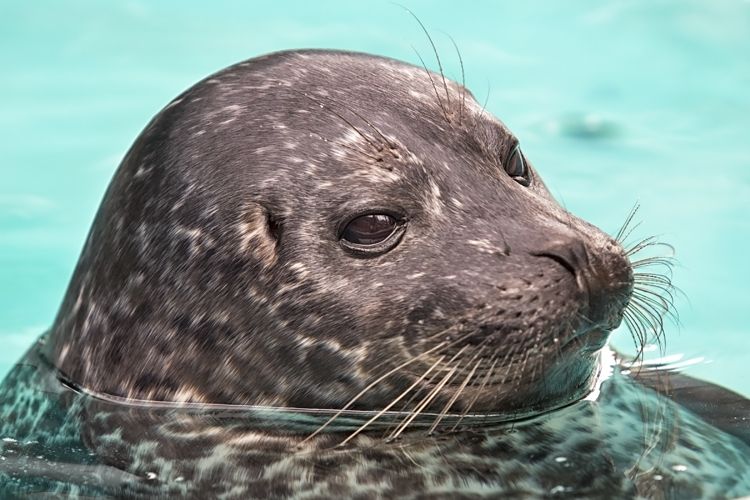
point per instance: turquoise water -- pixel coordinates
(617, 103)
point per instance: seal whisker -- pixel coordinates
(457, 393)
(341, 117)
(478, 119)
(647, 242)
(382, 136)
(649, 311)
(437, 56)
(656, 316)
(653, 261)
(636, 323)
(649, 318)
(463, 80)
(434, 349)
(507, 357)
(654, 280)
(637, 245)
(637, 333)
(390, 405)
(539, 366)
(493, 360)
(434, 86)
(645, 277)
(426, 401)
(418, 393)
(654, 296)
(430, 381)
(519, 374)
(655, 303)
(368, 387)
(621, 235)
(665, 299)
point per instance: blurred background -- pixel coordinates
(615, 103)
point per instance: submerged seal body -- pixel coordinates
(356, 239)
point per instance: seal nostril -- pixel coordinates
(570, 253)
(557, 258)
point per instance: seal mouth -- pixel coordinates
(590, 339)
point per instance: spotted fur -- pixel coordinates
(629, 442)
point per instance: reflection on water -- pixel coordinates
(628, 440)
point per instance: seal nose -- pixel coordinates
(605, 277)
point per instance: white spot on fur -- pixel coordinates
(485, 246)
(187, 393)
(297, 267)
(142, 170)
(434, 205)
(64, 352)
(232, 108)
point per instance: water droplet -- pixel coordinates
(561, 459)
(679, 468)
(150, 475)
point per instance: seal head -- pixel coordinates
(328, 229)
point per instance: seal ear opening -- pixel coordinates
(274, 226)
(260, 234)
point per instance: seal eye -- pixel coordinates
(516, 167)
(372, 234)
(369, 229)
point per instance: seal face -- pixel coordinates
(296, 226)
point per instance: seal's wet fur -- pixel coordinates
(214, 273)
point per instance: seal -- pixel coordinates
(323, 273)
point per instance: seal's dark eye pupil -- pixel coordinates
(516, 167)
(369, 229)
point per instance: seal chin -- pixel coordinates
(572, 375)
(587, 340)
(529, 387)
(568, 381)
